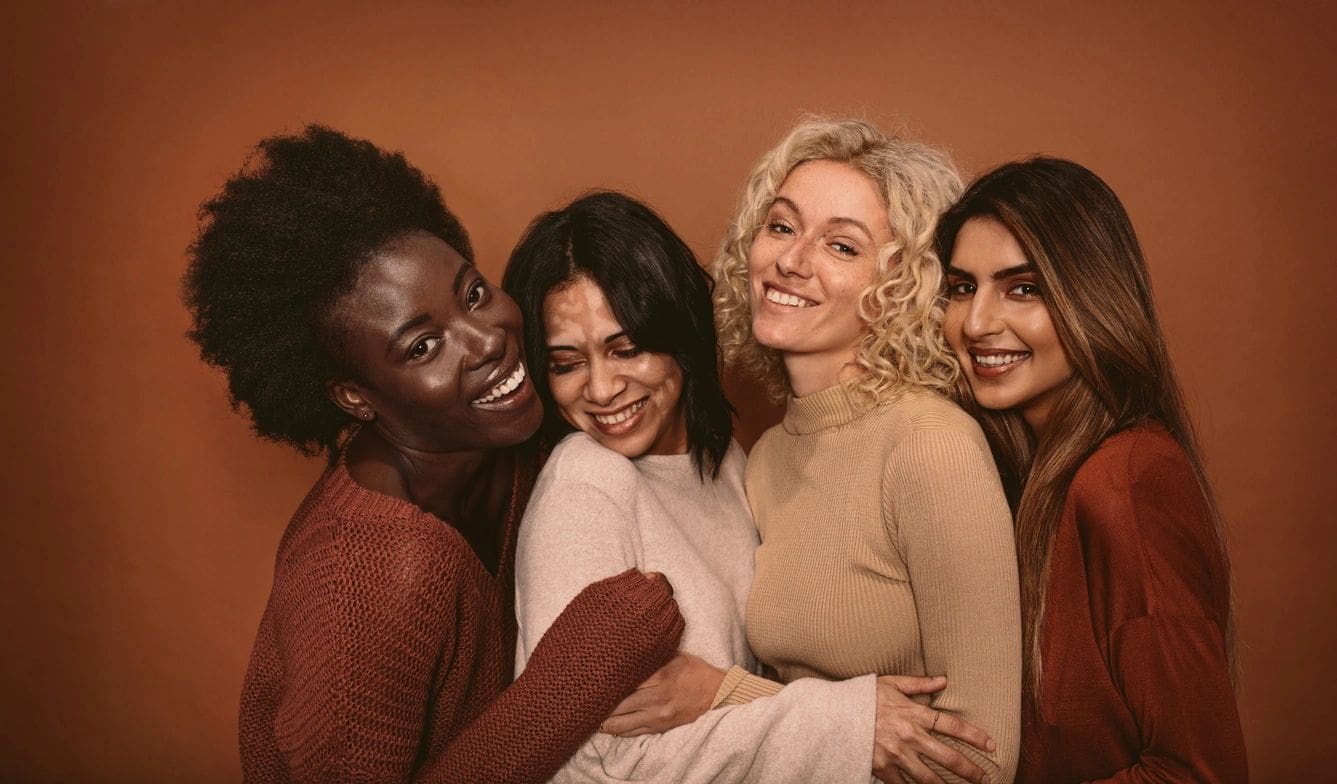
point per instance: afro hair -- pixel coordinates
(276, 248)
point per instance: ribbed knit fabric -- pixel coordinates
(386, 649)
(594, 511)
(740, 687)
(886, 547)
(1135, 680)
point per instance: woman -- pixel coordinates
(886, 544)
(1125, 587)
(338, 293)
(620, 314)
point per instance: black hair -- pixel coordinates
(276, 248)
(656, 289)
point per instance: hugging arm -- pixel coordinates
(951, 523)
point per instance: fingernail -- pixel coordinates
(991, 746)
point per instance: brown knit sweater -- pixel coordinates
(386, 650)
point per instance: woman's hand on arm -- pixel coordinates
(904, 734)
(678, 693)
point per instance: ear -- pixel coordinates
(348, 396)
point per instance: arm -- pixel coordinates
(948, 518)
(611, 635)
(812, 731)
(377, 624)
(1158, 583)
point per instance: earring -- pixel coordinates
(366, 415)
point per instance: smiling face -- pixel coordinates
(999, 326)
(627, 399)
(435, 350)
(814, 255)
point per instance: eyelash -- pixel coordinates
(560, 368)
(843, 248)
(414, 352)
(966, 289)
(479, 286)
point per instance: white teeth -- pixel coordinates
(621, 416)
(781, 298)
(998, 360)
(504, 388)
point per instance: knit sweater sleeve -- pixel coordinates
(947, 515)
(373, 636)
(612, 635)
(1159, 602)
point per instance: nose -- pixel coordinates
(605, 382)
(793, 260)
(486, 341)
(982, 318)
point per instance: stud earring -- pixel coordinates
(366, 415)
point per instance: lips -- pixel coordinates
(505, 389)
(622, 420)
(785, 298)
(994, 363)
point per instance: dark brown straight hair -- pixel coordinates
(1092, 275)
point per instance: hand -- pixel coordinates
(904, 734)
(678, 693)
(658, 578)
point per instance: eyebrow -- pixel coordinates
(418, 320)
(607, 340)
(836, 221)
(1002, 274)
(459, 276)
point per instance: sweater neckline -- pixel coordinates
(832, 407)
(345, 496)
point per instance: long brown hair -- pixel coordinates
(1089, 265)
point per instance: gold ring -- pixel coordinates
(936, 715)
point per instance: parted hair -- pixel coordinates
(1091, 272)
(903, 308)
(656, 289)
(282, 241)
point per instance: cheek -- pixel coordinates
(952, 318)
(663, 373)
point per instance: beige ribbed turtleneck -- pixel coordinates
(886, 547)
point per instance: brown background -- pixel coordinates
(143, 516)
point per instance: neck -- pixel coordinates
(447, 484)
(810, 373)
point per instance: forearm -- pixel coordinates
(612, 636)
(810, 731)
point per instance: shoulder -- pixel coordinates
(353, 540)
(582, 461)
(936, 432)
(1139, 466)
(1139, 510)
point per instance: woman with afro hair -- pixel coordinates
(339, 295)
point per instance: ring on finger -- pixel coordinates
(934, 726)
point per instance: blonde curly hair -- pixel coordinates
(903, 308)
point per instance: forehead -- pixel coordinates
(984, 243)
(579, 309)
(415, 273)
(833, 189)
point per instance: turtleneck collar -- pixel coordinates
(832, 407)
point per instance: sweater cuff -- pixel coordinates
(740, 687)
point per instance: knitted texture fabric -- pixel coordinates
(886, 547)
(593, 512)
(385, 652)
(1135, 675)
